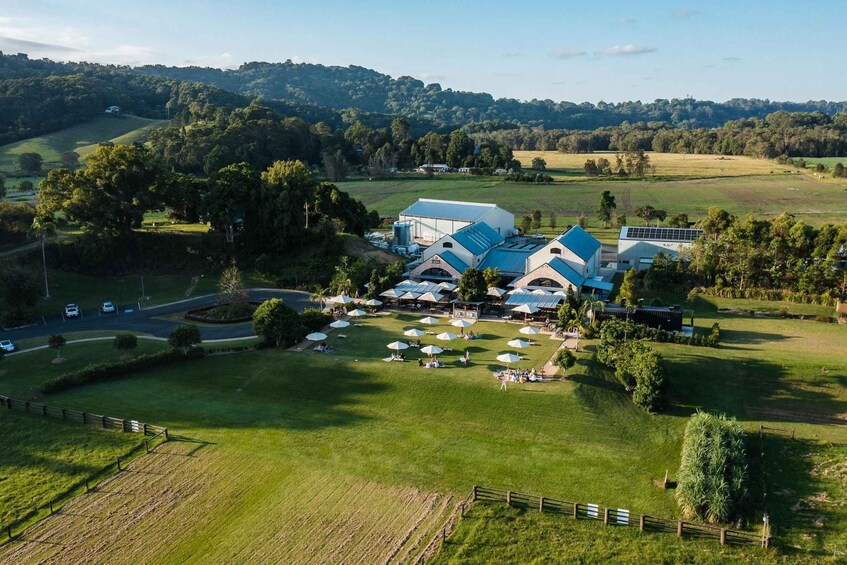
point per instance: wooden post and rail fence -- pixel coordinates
(153, 436)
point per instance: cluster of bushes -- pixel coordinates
(108, 371)
(713, 474)
(638, 367)
(775, 294)
(278, 324)
(536, 178)
(313, 319)
(640, 331)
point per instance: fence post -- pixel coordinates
(463, 509)
(103, 420)
(86, 486)
(64, 414)
(145, 429)
(166, 434)
(541, 504)
(26, 406)
(679, 528)
(508, 498)
(443, 535)
(119, 463)
(768, 542)
(474, 493)
(723, 536)
(147, 445)
(575, 509)
(83, 418)
(641, 523)
(51, 507)
(44, 409)
(9, 531)
(605, 516)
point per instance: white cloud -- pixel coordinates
(685, 12)
(626, 50)
(567, 53)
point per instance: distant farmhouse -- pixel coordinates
(637, 246)
(466, 234)
(113, 110)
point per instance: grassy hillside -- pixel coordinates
(296, 436)
(82, 138)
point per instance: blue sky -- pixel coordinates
(575, 51)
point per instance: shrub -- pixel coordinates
(184, 337)
(125, 342)
(713, 475)
(564, 359)
(107, 371)
(277, 323)
(313, 319)
(823, 318)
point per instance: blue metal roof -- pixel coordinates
(582, 243)
(453, 261)
(599, 285)
(509, 261)
(566, 271)
(540, 301)
(448, 209)
(478, 238)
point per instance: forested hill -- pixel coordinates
(370, 91)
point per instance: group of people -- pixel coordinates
(433, 363)
(415, 343)
(518, 376)
(323, 347)
(398, 357)
(470, 335)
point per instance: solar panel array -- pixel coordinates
(663, 234)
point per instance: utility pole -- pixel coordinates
(306, 208)
(44, 261)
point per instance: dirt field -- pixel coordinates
(316, 522)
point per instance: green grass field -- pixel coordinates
(43, 457)
(814, 201)
(82, 138)
(291, 432)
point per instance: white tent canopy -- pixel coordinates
(356, 313)
(462, 323)
(496, 292)
(339, 324)
(430, 297)
(431, 350)
(414, 332)
(508, 358)
(529, 330)
(447, 286)
(526, 309)
(373, 302)
(397, 345)
(429, 320)
(446, 336)
(316, 336)
(518, 343)
(340, 299)
(391, 293)
(410, 296)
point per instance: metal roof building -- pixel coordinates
(637, 246)
(432, 219)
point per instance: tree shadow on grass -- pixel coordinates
(742, 337)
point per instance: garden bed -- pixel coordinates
(233, 313)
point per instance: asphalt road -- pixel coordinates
(130, 318)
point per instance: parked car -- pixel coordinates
(7, 345)
(107, 307)
(71, 311)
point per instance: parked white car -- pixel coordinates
(71, 311)
(7, 345)
(107, 307)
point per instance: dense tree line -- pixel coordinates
(371, 91)
(780, 253)
(806, 134)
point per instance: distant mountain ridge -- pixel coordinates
(370, 91)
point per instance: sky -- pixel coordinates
(576, 51)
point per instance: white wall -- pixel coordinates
(432, 229)
(630, 252)
(500, 220)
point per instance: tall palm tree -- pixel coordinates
(43, 228)
(319, 295)
(589, 307)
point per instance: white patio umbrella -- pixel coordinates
(446, 336)
(518, 343)
(414, 332)
(340, 299)
(429, 320)
(409, 296)
(356, 313)
(529, 330)
(431, 350)
(495, 292)
(316, 336)
(397, 345)
(391, 293)
(508, 358)
(526, 309)
(430, 297)
(373, 302)
(339, 324)
(462, 323)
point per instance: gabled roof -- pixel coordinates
(580, 242)
(566, 271)
(448, 209)
(478, 238)
(509, 261)
(450, 258)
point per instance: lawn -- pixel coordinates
(82, 138)
(297, 437)
(814, 201)
(42, 458)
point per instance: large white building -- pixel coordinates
(429, 220)
(570, 260)
(638, 245)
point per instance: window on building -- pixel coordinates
(545, 282)
(447, 244)
(555, 251)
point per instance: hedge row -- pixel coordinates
(824, 299)
(107, 371)
(640, 331)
